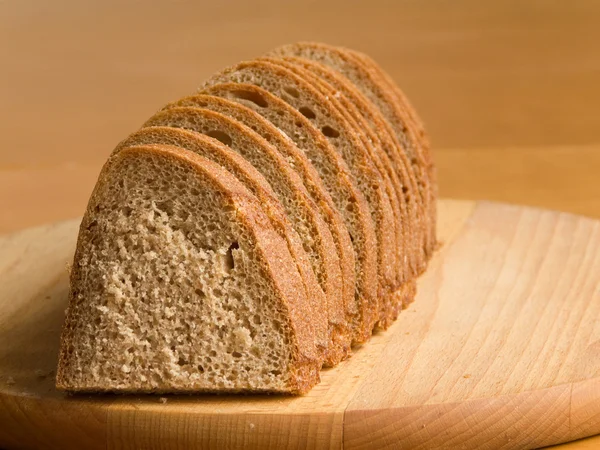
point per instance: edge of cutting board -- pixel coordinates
(501, 349)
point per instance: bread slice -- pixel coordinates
(395, 162)
(317, 192)
(374, 88)
(324, 114)
(338, 181)
(389, 303)
(235, 164)
(289, 189)
(181, 284)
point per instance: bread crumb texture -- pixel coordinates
(166, 292)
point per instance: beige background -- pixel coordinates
(509, 90)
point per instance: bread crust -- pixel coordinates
(416, 134)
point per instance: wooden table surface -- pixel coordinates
(509, 90)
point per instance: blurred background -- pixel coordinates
(509, 90)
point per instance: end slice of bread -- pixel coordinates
(181, 284)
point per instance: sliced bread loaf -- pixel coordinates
(181, 284)
(338, 181)
(289, 189)
(324, 114)
(314, 186)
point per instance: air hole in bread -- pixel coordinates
(330, 132)
(236, 354)
(220, 136)
(292, 91)
(298, 124)
(181, 361)
(253, 97)
(307, 112)
(166, 207)
(200, 369)
(92, 224)
(228, 263)
(404, 190)
(351, 237)
(126, 210)
(184, 215)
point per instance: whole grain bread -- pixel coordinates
(249, 234)
(181, 284)
(324, 114)
(338, 181)
(298, 162)
(289, 189)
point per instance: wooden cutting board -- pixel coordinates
(500, 350)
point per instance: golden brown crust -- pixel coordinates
(416, 131)
(404, 113)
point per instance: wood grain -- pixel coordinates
(498, 351)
